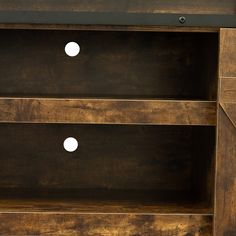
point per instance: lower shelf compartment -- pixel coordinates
(104, 224)
(116, 169)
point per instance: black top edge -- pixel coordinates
(112, 18)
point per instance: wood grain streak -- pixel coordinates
(104, 225)
(102, 111)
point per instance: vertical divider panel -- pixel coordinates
(225, 199)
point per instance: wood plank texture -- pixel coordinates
(227, 93)
(151, 6)
(225, 201)
(104, 225)
(230, 111)
(105, 111)
(77, 206)
(225, 223)
(227, 53)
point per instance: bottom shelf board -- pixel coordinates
(68, 205)
(104, 224)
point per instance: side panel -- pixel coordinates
(225, 220)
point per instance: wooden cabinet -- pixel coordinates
(148, 103)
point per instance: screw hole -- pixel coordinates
(182, 19)
(70, 144)
(72, 49)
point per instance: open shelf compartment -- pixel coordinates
(117, 168)
(124, 65)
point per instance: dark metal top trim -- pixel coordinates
(112, 18)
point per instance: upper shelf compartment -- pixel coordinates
(136, 12)
(134, 65)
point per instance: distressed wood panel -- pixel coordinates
(227, 90)
(225, 221)
(156, 6)
(105, 111)
(105, 225)
(225, 206)
(227, 53)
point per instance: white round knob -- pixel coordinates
(70, 144)
(72, 49)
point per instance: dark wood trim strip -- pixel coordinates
(142, 28)
(117, 18)
(107, 111)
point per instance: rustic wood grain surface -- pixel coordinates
(64, 205)
(227, 53)
(149, 180)
(105, 225)
(225, 206)
(227, 91)
(107, 111)
(151, 6)
(229, 109)
(225, 223)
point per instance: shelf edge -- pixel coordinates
(107, 111)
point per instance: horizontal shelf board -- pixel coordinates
(75, 206)
(104, 224)
(116, 18)
(107, 111)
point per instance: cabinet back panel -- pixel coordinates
(110, 64)
(109, 158)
